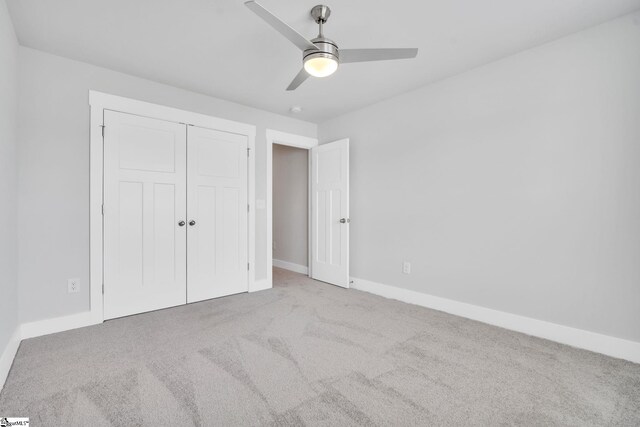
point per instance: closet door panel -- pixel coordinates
(144, 200)
(231, 258)
(203, 237)
(217, 208)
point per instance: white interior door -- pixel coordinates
(330, 213)
(144, 203)
(217, 214)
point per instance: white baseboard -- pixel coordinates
(291, 266)
(599, 343)
(260, 285)
(36, 329)
(57, 324)
(9, 353)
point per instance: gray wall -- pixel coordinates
(514, 186)
(8, 178)
(54, 171)
(290, 204)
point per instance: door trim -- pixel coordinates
(99, 102)
(291, 140)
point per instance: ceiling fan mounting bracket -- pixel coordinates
(320, 13)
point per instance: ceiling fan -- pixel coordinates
(321, 56)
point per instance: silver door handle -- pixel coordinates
(181, 223)
(192, 223)
(345, 221)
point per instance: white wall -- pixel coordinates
(515, 186)
(54, 170)
(8, 179)
(290, 204)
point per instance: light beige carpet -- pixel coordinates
(311, 353)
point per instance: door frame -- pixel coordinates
(291, 140)
(98, 102)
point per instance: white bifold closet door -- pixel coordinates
(145, 260)
(175, 214)
(217, 241)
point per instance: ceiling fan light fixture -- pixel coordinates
(320, 64)
(320, 55)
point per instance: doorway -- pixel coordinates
(290, 241)
(328, 219)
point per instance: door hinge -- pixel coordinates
(248, 267)
(248, 151)
(103, 289)
(102, 209)
(102, 126)
(247, 207)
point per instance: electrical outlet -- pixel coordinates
(406, 267)
(73, 286)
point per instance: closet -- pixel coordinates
(175, 223)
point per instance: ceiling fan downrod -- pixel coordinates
(320, 15)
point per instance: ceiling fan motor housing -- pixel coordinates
(326, 49)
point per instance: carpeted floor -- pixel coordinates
(311, 353)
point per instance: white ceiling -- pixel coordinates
(220, 48)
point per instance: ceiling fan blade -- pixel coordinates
(298, 80)
(365, 55)
(284, 29)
